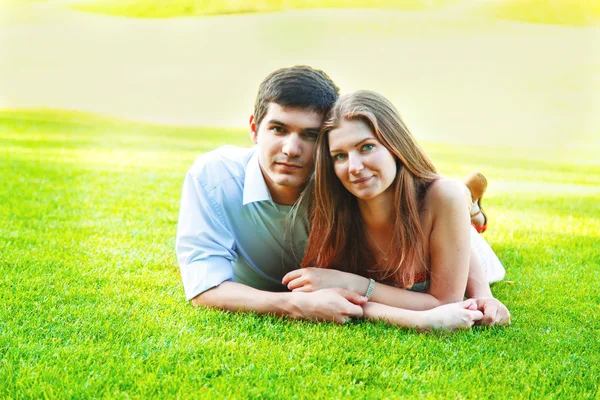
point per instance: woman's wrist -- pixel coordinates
(358, 284)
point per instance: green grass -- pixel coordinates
(560, 12)
(92, 304)
(178, 8)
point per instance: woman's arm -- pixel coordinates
(450, 316)
(449, 241)
(477, 284)
(313, 279)
(449, 250)
(478, 288)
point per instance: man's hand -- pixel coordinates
(494, 312)
(452, 316)
(313, 279)
(335, 305)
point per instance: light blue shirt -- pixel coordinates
(229, 227)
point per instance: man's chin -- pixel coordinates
(290, 181)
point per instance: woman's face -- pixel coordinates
(363, 165)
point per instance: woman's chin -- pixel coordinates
(364, 195)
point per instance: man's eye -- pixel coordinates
(277, 129)
(368, 147)
(339, 157)
(311, 136)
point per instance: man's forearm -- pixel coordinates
(235, 297)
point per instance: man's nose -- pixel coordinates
(292, 146)
(355, 164)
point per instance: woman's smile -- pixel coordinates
(361, 181)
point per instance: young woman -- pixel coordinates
(383, 221)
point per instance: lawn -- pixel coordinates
(560, 12)
(93, 306)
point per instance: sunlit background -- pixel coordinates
(513, 73)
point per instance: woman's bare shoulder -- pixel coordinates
(445, 192)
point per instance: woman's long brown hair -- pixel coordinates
(338, 236)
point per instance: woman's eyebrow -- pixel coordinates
(355, 145)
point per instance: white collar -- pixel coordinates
(255, 187)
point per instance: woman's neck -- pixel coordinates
(377, 213)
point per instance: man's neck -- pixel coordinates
(284, 195)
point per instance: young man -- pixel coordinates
(233, 239)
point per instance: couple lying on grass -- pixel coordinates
(336, 213)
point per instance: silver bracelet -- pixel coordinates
(370, 289)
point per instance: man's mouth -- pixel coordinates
(289, 166)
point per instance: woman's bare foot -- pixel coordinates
(477, 184)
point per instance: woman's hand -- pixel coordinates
(452, 316)
(313, 279)
(494, 312)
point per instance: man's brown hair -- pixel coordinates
(299, 86)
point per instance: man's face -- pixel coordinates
(286, 139)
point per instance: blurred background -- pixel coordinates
(500, 73)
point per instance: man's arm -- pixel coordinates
(336, 305)
(204, 244)
(205, 251)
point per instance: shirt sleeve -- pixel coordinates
(204, 244)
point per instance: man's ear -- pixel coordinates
(253, 130)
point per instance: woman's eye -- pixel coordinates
(368, 147)
(278, 129)
(339, 157)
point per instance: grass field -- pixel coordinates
(92, 304)
(180, 8)
(561, 12)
